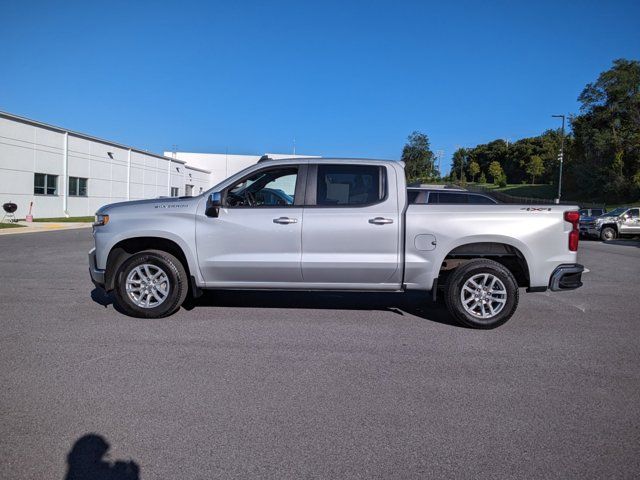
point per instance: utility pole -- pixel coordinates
(439, 155)
(453, 164)
(560, 157)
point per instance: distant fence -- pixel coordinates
(506, 198)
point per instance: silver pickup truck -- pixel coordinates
(331, 224)
(622, 221)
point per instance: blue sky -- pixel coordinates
(342, 78)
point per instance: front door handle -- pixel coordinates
(285, 220)
(380, 221)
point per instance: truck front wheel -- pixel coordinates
(482, 294)
(151, 284)
(608, 233)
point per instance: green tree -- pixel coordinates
(474, 169)
(495, 170)
(482, 179)
(418, 158)
(458, 163)
(535, 168)
(607, 135)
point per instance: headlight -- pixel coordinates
(101, 220)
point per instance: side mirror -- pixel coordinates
(214, 202)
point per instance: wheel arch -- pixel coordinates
(128, 247)
(514, 257)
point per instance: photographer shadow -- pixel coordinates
(88, 460)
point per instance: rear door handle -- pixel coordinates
(285, 220)
(380, 221)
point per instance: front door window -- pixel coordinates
(266, 188)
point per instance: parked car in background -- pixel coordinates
(441, 196)
(587, 217)
(623, 221)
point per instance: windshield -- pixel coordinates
(614, 213)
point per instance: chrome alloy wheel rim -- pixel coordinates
(147, 285)
(483, 296)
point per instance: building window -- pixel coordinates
(174, 191)
(77, 187)
(45, 184)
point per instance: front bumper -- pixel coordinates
(566, 277)
(97, 275)
(589, 231)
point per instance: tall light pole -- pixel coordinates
(439, 154)
(561, 157)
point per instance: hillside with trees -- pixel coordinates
(602, 147)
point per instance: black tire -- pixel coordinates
(464, 273)
(178, 284)
(608, 233)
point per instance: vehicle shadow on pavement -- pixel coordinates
(631, 242)
(88, 460)
(418, 304)
(412, 303)
(99, 296)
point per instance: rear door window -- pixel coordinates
(345, 185)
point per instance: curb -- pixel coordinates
(45, 227)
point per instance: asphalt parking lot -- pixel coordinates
(307, 385)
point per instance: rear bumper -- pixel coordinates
(97, 275)
(566, 277)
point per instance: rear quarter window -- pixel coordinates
(451, 198)
(480, 200)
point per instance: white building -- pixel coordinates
(222, 165)
(67, 173)
(70, 174)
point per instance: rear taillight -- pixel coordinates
(574, 235)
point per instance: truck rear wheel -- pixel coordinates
(482, 294)
(151, 284)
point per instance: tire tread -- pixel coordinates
(182, 285)
(451, 294)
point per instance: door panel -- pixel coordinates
(246, 245)
(631, 224)
(257, 235)
(345, 240)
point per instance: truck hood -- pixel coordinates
(606, 218)
(159, 204)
